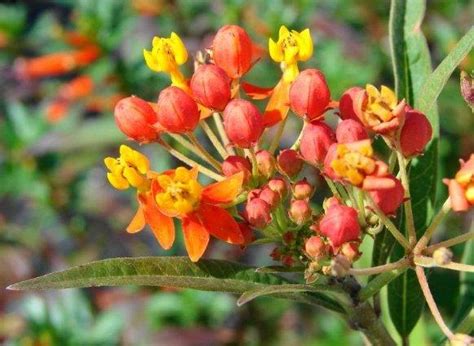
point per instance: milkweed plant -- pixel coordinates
(259, 191)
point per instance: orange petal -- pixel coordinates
(224, 191)
(161, 225)
(257, 53)
(457, 195)
(256, 92)
(278, 105)
(138, 221)
(196, 237)
(220, 224)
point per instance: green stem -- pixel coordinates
(403, 263)
(216, 164)
(450, 242)
(297, 143)
(214, 140)
(388, 223)
(253, 160)
(332, 187)
(410, 223)
(276, 140)
(431, 228)
(429, 262)
(220, 129)
(378, 282)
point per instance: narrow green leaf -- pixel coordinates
(285, 288)
(378, 282)
(433, 85)
(412, 68)
(279, 269)
(206, 275)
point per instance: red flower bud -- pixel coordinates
(416, 133)
(265, 163)
(346, 104)
(315, 142)
(350, 131)
(279, 186)
(350, 250)
(340, 224)
(270, 196)
(303, 190)
(177, 111)
(253, 194)
(309, 94)
(234, 164)
(211, 86)
(300, 211)
(315, 247)
(242, 123)
(289, 162)
(387, 192)
(257, 213)
(135, 118)
(330, 156)
(232, 50)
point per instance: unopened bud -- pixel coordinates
(265, 163)
(350, 130)
(242, 123)
(467, 88)
(280, 186)
(300, 212)
(287, 260)
(303, 190)
(235, 164)
(177, 111)
(415, 134)
(346, 104)
(257, 212)
(315, 247)
(270, 196)
(289, 162)
(288, 238)
(211, 86)
(340, 224)
(316, 139)
(442, 256)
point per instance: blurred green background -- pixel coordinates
(57, 210)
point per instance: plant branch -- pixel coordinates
(220, 129)
(214, 140)
(216, 164)
(279, 133)
(402, 263)
(429, 262)
(407, 204)
(380, 281)
(420, 273)
(450, 242)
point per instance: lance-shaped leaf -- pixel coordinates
(180, 272)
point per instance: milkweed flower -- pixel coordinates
(166, 55)
(461, 188)
(178, 194)
(379, 110)
(291, 47)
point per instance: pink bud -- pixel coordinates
(346, 104)
(279, 186)
(289, 162)
(416, 133)
(234, 164)
(242, 123)
(257, 213)
(177, 111)
(255, 193)
(303, 190)
(315, 142)
(265, 163)
(309, 94)
(270, 196)
(340, 225)
(300, 212)
(315, 247)
(135, 118)
(387, 192)
(350, 130)
(211, 86)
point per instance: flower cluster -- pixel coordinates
(261, 193)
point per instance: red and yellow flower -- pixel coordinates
(461, 188)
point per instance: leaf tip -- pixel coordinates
(13, 287)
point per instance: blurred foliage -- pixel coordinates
(57, 210)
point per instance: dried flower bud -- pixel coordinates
(270, 196)
(242, 123)
(279, 185)
(316, 139)
(309, 94)
(287, 260)
(346, 104)
(300, 212)
(211, 86)
(265, 163)
(288, 238)
(303, 190)
(234, 164)
(276, 254)
(135, 118)
(467, 88)
(351, 251)
(316, 248)
(340, 266)
(257, 213)
(387, 192)
(442, 256)
(289, 162)
(350, 131)
(340, 224)
(232, 50)
(415, 134)
(177, 111)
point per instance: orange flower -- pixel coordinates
(177, 193)
(461, 188)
